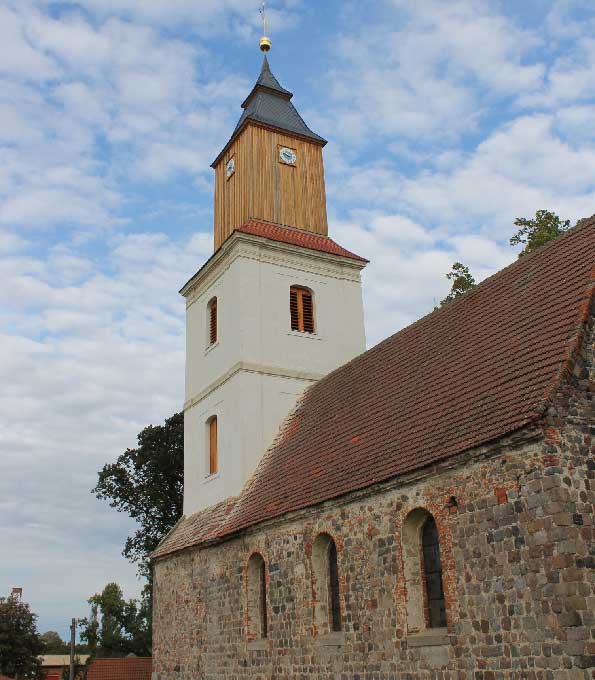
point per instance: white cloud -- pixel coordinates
(429, 74)
(571, 78)
(80, 382)
(110, 114)
(206, 18)
(131, 108)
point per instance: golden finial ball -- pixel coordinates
(265, 44)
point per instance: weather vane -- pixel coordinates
(265, 42)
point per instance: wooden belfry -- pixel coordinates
(271, 168)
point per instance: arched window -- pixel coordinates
(433, 575)
(301, 309)
(423, 572)
(212, 321)
(213, 446)
(258, 626)
(327, 606)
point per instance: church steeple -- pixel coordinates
(271, 168)
(275, 283)
(268, 81)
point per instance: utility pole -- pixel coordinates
(72, 644)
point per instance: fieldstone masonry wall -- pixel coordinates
(518, 552)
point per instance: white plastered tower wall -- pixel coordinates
(251, 378)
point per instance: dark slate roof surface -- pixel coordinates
(268, 80)
(481, 367)
(269, 104)
(277, 112)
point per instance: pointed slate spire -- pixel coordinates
(270, 104)
(268, 80)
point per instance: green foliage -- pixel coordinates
(462, 281)
(147, 484)
(54, 644)
(538, 231)
(20, 643)
(118, 627)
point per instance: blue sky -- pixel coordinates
(445, 121)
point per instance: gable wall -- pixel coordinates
(519, 573)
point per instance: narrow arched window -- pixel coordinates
(212, 321)
(301, 308)
(433, 575)
(213, 445)
(333, 595)
(258, 625)
(327, 605)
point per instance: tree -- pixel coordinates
(147, 483)
(118, 627)
(462, 281)
(53, 643)
(538, 231)
(20, 643)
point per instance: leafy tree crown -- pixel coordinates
(462, 281)
(537, 231)
(147, 484)
(20, 642)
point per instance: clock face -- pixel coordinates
(230, 167)
(287, 156)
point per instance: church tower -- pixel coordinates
(276, 307)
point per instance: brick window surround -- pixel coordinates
(325, 576)
(414, 572)
(256, 598)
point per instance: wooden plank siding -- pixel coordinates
(262, 187)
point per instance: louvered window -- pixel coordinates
(301, 308)
(212, 318)
(213, 446)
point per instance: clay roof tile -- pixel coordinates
(470, 372)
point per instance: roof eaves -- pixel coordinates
(253, 120)
(165, 537)
(575, 342)
(228, 533)
(239, 234)
(286, 94)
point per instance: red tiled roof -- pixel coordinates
(475, 370)
(129, 668)
(296, 237)
(199, 527)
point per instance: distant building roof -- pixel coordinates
(128, 668)
(270, 104)
(62, 659)
(479, 368)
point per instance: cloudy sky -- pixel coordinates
(445, 121)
